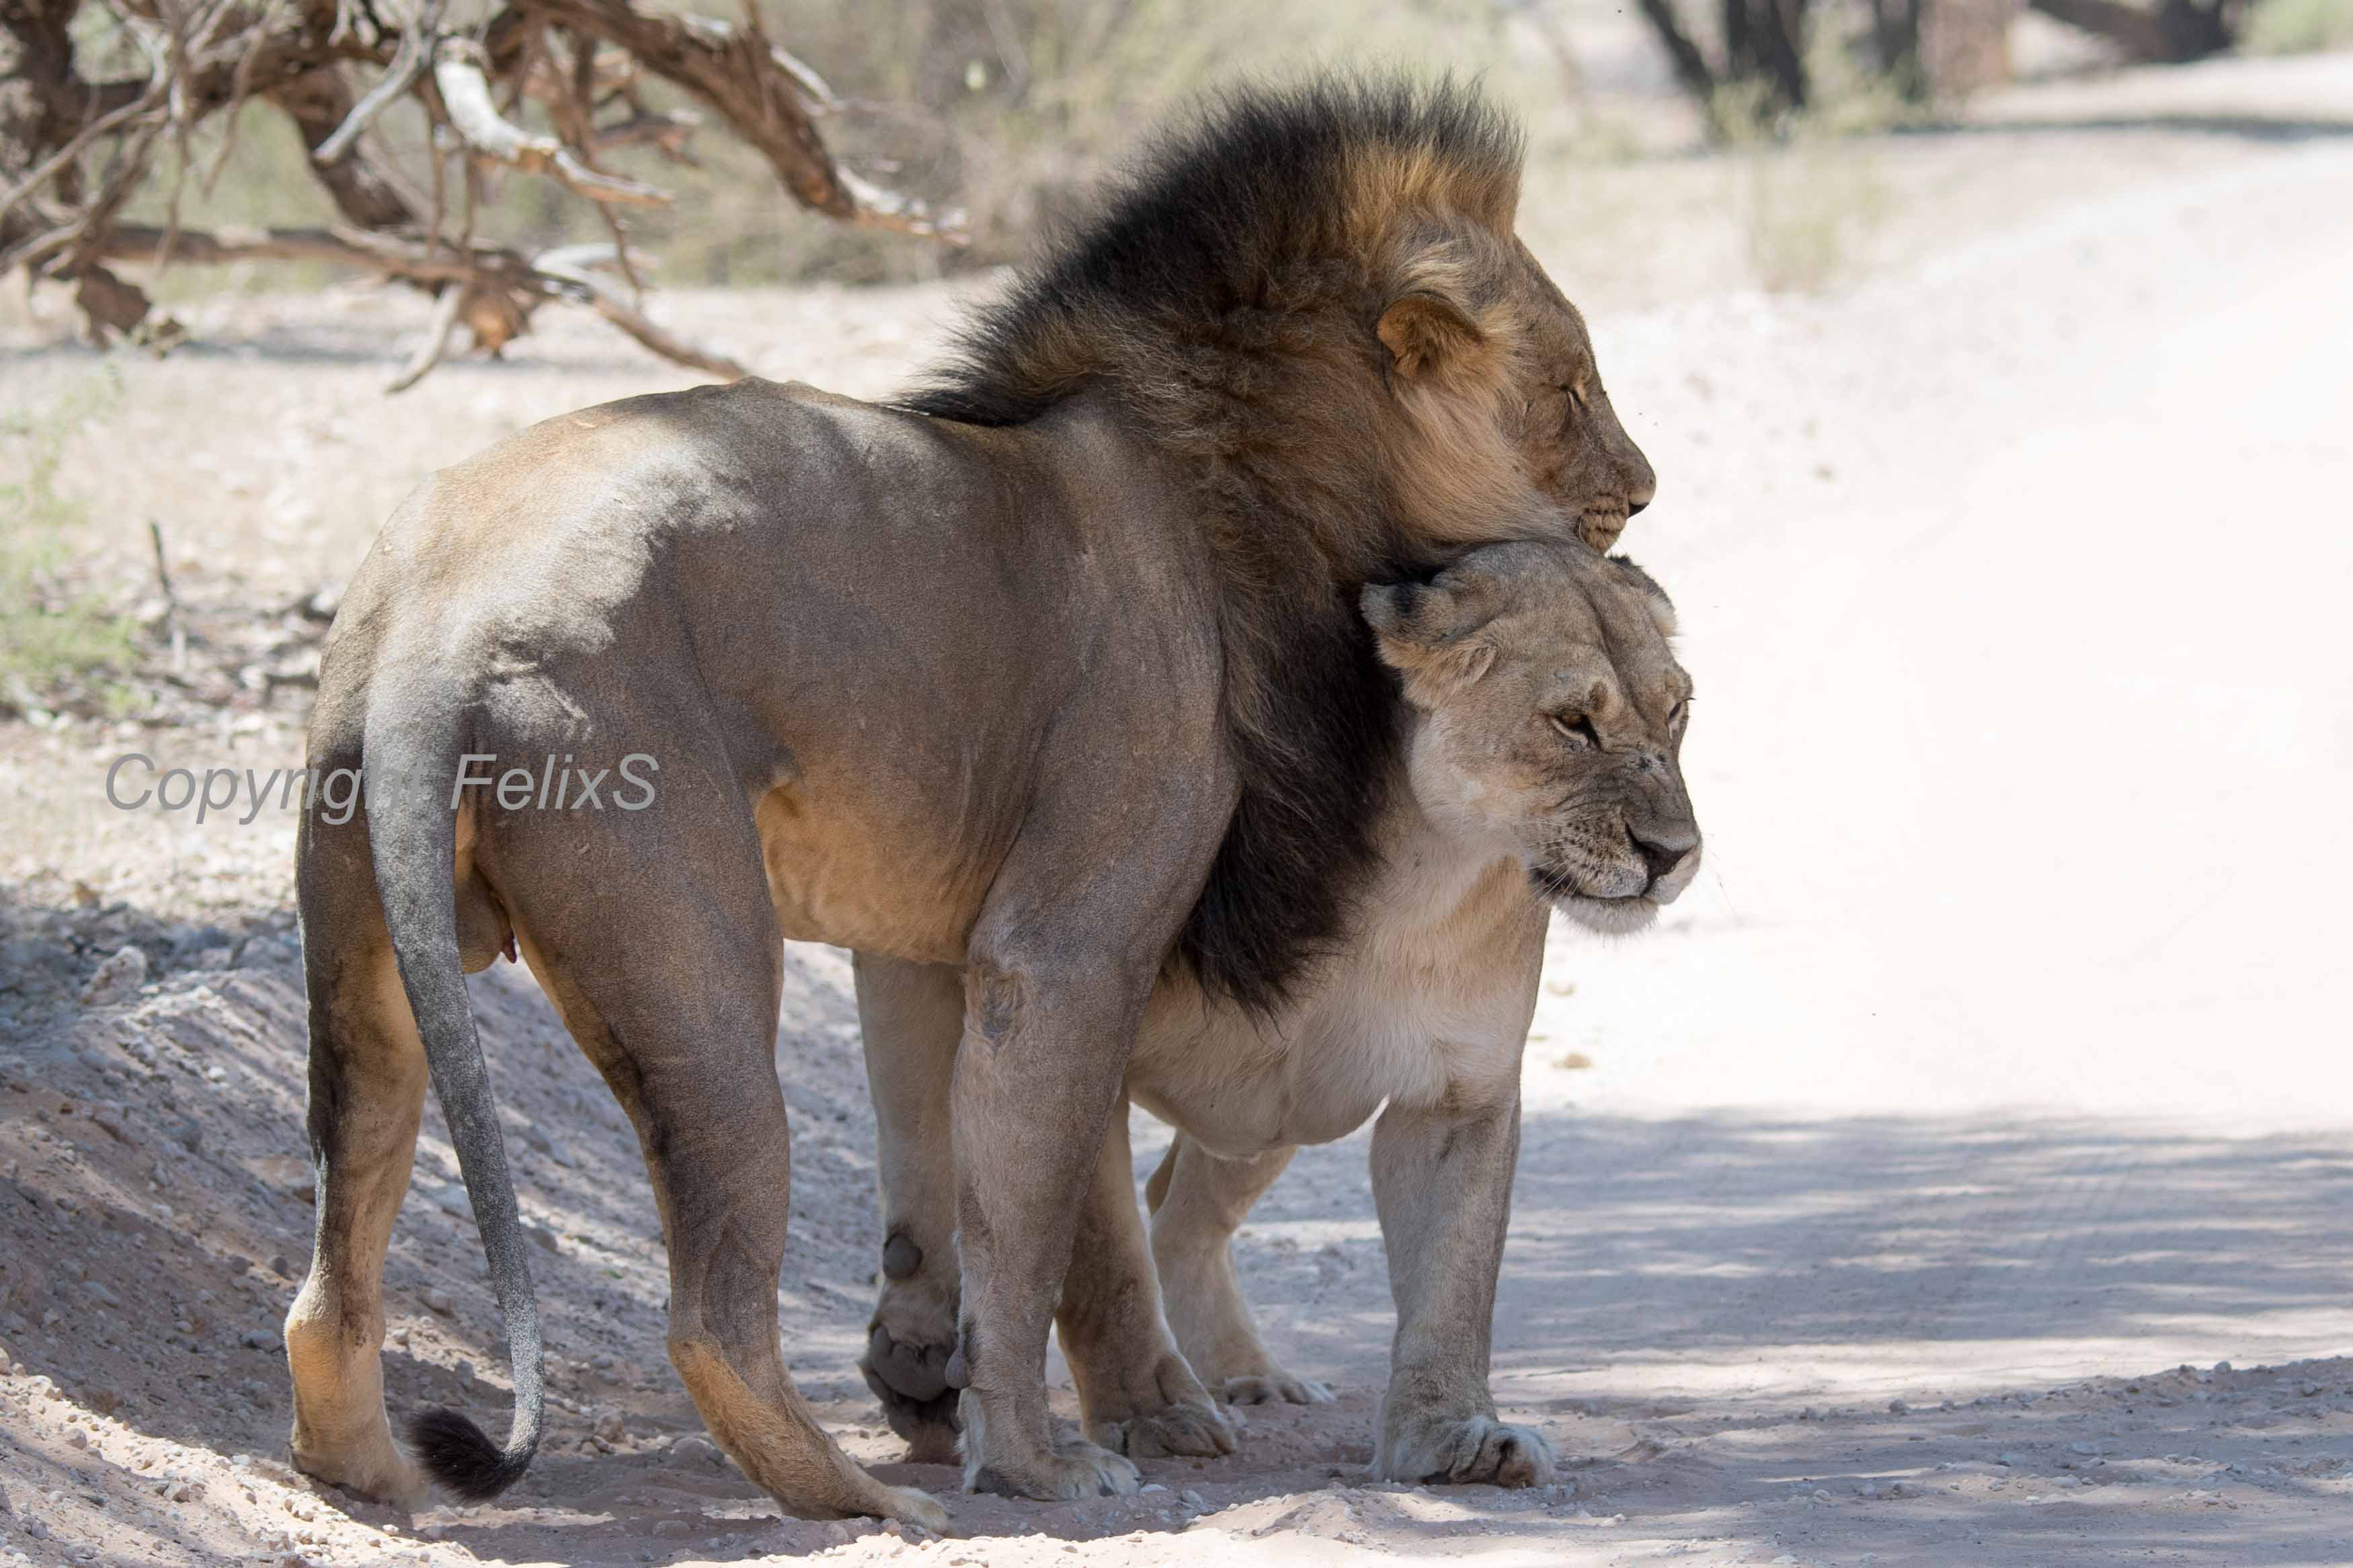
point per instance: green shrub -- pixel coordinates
(2298, 26)
(52, 630)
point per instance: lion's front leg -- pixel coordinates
(1442, 1182)
(910, 1017)
(1139, 1395)
(1038, 1072)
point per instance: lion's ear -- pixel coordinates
(1431, 337)
(1424, 631)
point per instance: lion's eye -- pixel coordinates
(1679, 715)
(1578, 728)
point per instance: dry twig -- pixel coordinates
(61, 217)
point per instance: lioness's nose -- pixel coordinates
(1665, 851)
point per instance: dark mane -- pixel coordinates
(1223, 297)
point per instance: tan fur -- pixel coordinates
(773, 1434)
(1044, 682)
(334, 1330)
(1420, 1019)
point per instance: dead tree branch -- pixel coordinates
(74, 153)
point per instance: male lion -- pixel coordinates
(1053, 673)
(1544, 719)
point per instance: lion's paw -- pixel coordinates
(909, 1379)
(909, 1505)
(1187, 1430)
(1479, 1450)
(374, 1468)
(1072, 1471)
(1276, 1387)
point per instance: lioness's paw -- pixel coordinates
(1480, 1450)
(909, 1379)
(1275, 1387)
(1196, 1431)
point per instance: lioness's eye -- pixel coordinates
(1577, 727)
(1680, 714)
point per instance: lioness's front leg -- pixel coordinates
(1442, 1182)
(1198, 1200)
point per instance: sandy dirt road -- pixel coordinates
(1992, 1088)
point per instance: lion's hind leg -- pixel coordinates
(1198, 1200)
(368, 1094)
(677, 1006)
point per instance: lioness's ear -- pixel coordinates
(1654, 598)
(1430, 336)
(1424, 631)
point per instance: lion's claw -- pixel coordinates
(1193, 1431)
(1275, 1387)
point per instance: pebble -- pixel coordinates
(696, 1450)
(1898, 1407)
(438, 1300)
(117, 980)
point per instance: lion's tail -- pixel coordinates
(413, 837)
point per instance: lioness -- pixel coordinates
(1544, 721)
(1053, 673)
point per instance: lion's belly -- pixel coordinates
(878, 892)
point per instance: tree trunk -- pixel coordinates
(365, 192)
(2177, 32)
(1690, 66)
(39, 96)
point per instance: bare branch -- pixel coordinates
(738, 73)
(75, 154)
(874, 207)
(42, 172)
(414, 54)
(569, 264)
(671, 133)
(458, 69)
(435, 340)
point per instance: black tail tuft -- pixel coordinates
(460, 1456)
